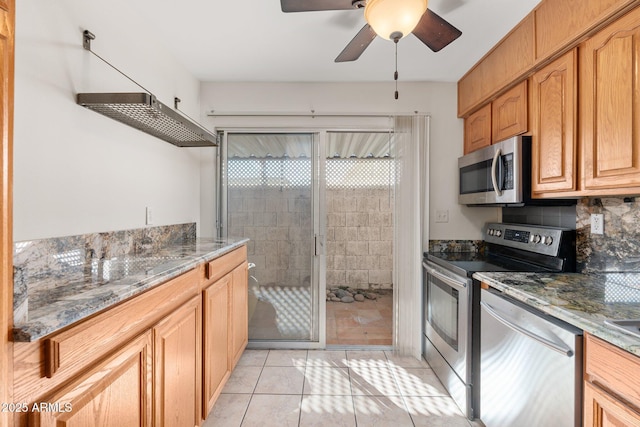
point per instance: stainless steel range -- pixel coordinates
(452, 298)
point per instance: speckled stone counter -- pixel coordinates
(584, 301)
(57, 298)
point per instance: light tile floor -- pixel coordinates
(333, 388)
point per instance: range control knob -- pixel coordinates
(536, 238)
(490, 231)
(498, 233)
(548, 240)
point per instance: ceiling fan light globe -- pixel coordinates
(387, 17)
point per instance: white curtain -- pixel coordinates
(410, 216)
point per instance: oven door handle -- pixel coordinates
(562, 349)
(494, 176)
(448, 280)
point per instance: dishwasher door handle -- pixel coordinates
(560, 348)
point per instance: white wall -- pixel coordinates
(437, 99)
(76, 171)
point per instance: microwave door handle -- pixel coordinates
(494, 178)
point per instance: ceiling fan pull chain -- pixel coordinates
(395, 75)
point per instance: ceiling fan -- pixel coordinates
(389, 19)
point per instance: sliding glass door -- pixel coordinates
(269, 196)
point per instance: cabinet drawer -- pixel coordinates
(85, 343)
(217, 268)
(613, 369)
(114, 392)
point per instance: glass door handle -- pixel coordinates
(318, 244)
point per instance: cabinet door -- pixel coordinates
(115, 393)
(177, 373)
(477, 130)
(610, 106)
(554, 112)
(240, 311)
(603, 410)
(216, 333)
(509, 113)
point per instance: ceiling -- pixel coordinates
(254, 41)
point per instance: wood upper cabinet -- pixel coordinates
(610, 108)
(507, 62)
(177, 367)
(477, 130)
(240, 311)
(554, 119)
(611, 393)
(509, 113)
(560, 22)
(114, 393)
(216, 348)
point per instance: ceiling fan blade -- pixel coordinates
(315, 5)
(356, 46)
(435, 32)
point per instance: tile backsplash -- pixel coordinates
(618, 249)
(454, 246)
(551, 216)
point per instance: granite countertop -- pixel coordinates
(57, 299)
(582, 300)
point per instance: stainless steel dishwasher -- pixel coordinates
(530, 366)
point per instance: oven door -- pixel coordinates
(447, 317)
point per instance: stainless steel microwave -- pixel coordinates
(499, 175)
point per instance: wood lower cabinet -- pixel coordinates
(611, 393)
(610, 108)
(114, 393)
(603, 410)
(225, 322)
(159, 359)
(554, 109)
(240, 307)
(144, 362)
(477, 130)
(177, 367)
(216, 348)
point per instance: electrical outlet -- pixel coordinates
(597, 224)
(442, 216)
(149, 219)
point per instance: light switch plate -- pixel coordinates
(442, 216)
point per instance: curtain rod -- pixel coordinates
(310, 113)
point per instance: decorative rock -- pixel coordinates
(341, 293)
(370, 295)
(331, 295)
(335, 299)
(359, 297)
(347, 299)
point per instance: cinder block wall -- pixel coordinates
(278, 222)
(360, 238)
